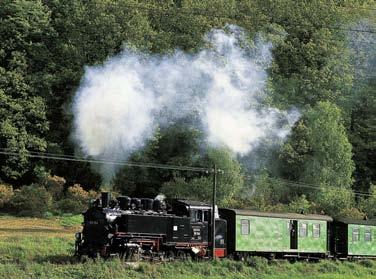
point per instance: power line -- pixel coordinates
(71, 158)
(311, 186)
(299, 183)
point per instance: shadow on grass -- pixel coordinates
(53, 259)
(57, 259)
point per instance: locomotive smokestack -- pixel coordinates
(106, 198)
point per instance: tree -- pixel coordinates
(362, 105)
(177, 145)
(23, 123)
(368, 205)
(87, 33)
(334, 200)
(363, 136)
(229, 180)
(318, 151)
(312, 63)
(318, 154)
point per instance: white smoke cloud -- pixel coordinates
(120, 103)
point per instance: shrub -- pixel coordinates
(301, 205)
(76, 200)
(76, 192)
(55, 185)
(71, 206)
(333, 200)
(368, 205)
(352, 213)
(31, 200)
(6, 193)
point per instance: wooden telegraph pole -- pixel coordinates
(213, 209)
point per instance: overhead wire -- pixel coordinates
(54, 156)
(300, 184)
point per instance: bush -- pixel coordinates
(333, 200)
(352, 213)
(71, 206)
(301, 205)
(76, 192)
(6, 193)
(368, 205)
(31, 200)
(76, 200)
(55, 185)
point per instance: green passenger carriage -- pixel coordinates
(354, 238)
(277, 234)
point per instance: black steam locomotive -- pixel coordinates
(134, 228)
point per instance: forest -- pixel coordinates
(323, 59)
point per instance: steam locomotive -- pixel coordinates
(135, 229)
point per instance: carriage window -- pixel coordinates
(316, 230)
(355, 234)
(368, 235)
(303, 230)
(244, 227)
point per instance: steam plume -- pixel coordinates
(120, 103)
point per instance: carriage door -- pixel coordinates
(293, 234)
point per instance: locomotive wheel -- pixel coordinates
(130, 255)
(170, 255)
(181, 255)
(122, 256)
(189, 256)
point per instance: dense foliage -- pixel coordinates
(322, 65)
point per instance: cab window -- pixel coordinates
(206, 216)
(196, 215)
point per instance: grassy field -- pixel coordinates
(42, 248)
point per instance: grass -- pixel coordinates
(63, 226)
(43, 248)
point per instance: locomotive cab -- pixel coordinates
(200, 224)
(198, 213)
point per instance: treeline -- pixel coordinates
(323, 56)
